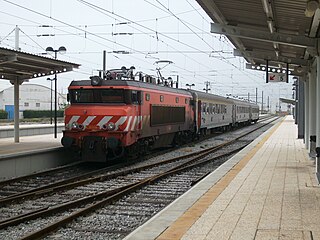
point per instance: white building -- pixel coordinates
(31, 97)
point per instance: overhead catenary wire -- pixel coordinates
(144, 53)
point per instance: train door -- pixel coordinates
(137, 101)
(234, 114)
(199, 115)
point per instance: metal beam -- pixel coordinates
(258, 35)
(269, 56)
(7, 59)
(214, 12)
(315, 24)
(296, 71)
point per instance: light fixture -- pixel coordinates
(312, 6)
(267, 7)
(299, 69)
(270, 25)
(96, 81)
(62, 50)
(49, 50)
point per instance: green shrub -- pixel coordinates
(3, 114)
(41, 114)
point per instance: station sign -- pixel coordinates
(277, 77)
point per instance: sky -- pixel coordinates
(134, 33)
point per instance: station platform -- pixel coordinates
(32, 154)
(28, 144)
(267, 191)
(7, 130)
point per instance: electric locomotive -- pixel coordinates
(125, 115)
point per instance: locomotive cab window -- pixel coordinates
(97, 96)
(134, 97)
(147, 97)
(110, 96)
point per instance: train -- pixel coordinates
(126, 114)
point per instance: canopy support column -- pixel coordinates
(318, 118)
(16, 111)
(312, 111)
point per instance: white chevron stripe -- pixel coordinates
(121, 121)
(104, 120)
(134, 123)
(129, 121)
(139, 120)
(73, 119)
(88, 120)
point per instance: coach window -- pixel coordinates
(147, 97)
(161, 98)
(186, 101)
(177, 99)
(204, 105)
(210, 108)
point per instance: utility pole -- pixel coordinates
(248, 97)
(268, 104)
(207, 86)
(16, 47)
(256, 95)
(104, 64)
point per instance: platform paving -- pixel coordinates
(29, 144)
(267, 191)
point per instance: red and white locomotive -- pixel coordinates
(125, 114)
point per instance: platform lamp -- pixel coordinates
(61, 50)
(190, 85)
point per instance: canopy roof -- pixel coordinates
(288, 101)
(17, 65)
(275, 30)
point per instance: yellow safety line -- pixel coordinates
(184, 222)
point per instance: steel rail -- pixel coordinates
(76, 181)
(132, 187)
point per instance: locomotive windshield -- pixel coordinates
(97, 96)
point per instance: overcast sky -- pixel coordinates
(147, 30)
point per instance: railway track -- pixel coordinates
(74, 199)
(27, 185)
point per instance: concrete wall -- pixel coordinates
(29, 130)
(15, 165)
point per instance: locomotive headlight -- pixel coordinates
(111, 126)
(96, 80)
(74, 125)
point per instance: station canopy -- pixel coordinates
(17, 65)
(284, 32)
(288, 101)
